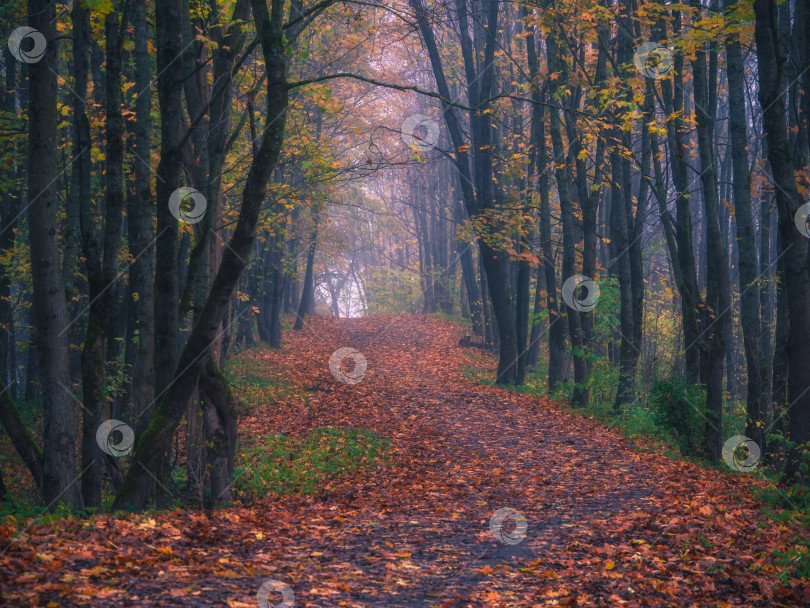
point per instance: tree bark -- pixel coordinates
(716, 317)
(308, 293)
(155, 441)
(50, 310)
(788, 200)
(102, 266)
(140, 218)
(757, 379)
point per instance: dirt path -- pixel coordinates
(606, 524)
(498, 454)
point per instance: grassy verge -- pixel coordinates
(669, 420)
(306, 464)
(252, 383)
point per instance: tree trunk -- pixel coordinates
(715, 319)
(10, 207)
(50, 310)
(141, 232)
(170, 97)
(522, 314)
(308, 293)
(102, 267)
(788, 201)
(220, 418)
(563, 175)
(625, 389)
(673, 96)
(756, 401)
(156, 440)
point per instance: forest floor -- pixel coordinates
(610, 521)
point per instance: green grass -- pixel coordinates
(303, 465)
(644, 418)
(252, 384)
(458, 319)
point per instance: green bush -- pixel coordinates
(680, 410)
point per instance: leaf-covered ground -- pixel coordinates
(607, 524)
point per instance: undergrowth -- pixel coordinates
(303, 465)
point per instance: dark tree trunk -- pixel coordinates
(102, 267)
(757, 370)
(780, 359)
(625, 390)
(673, 96)
(50, 310)
(468, 275)
(563, 175)
(557, 360)
(220, 424)
(522, 315)
(794, 243)
(308, 293)
(716, 318)
(545, 270)
(277, 295)
(80, 175)
(170, 97)
(156, 440)
(537, 329)
(10, 207)
(139, 219)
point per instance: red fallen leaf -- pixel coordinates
(449, 435)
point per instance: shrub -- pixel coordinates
(680, 410)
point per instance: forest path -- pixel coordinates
(476, 450)
(607, 524)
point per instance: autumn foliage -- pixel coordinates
(611, 520)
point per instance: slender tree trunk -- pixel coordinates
(788, 201)
(540, 166)
(563, 174)
(756, 401)
(557, 360)
(781, 406)
(625, 390)
(522, 314)
(10, 207)
(716, 316)
(155, 441)
(308, 293)
(468, 275)
(170, 97)
(140, 219)
(102, 267)
(673, 96)
(276, 298)
(50, 310)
